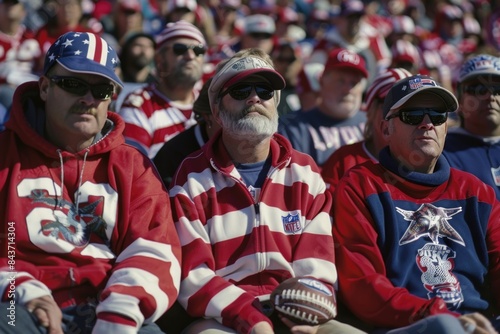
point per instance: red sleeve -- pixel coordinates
(493, 241)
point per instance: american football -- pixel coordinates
(304, 300)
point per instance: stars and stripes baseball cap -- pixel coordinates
(406, 88)
(83, 52)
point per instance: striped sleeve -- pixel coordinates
(205, 292)
(145, 278)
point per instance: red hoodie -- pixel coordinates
(83, 225)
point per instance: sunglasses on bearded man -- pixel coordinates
(243, 90)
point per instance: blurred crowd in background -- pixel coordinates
(423, 36)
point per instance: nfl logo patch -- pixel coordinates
(415, 83)
(291, 223)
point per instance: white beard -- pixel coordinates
(248, 127)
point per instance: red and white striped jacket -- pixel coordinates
(235, 248)
(151, 119)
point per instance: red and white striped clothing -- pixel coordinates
(235, 248)
(151, 119)
(96, 226)
(18, 57)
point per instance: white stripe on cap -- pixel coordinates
(180, 29)
(98, 49)
(104, 51)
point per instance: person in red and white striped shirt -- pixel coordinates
(159, 111)
(250, 211)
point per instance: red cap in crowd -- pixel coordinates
(345, 59)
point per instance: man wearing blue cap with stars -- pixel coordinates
(474, 146)
(88, 243)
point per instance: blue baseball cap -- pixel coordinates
(406, 88)
(480, 65)
(83, 52)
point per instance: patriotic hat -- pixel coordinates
(259, 23)
(344, 59)
(83, 52)
(179, 29)
(382, 83)
(406, 88)
(480, 65)
(237, 69)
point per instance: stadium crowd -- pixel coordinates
(168, 163)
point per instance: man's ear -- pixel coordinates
(43, 84)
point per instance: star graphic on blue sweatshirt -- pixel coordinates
(430, 221)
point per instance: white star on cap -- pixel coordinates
(86, 41)
(78, 52)
(52, 57)
(68, 42)
(113, 60)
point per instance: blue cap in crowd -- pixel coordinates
(83, 52)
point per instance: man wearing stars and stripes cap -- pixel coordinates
(98, 251)
(83, 53)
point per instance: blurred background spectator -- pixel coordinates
(125, 19)
(156, 113)
(19, 51)
(287, 59)
(308, 86)
(405, 55)
(258, 32)
(137, 58)
(181, 10)
(348, 31)
(336, 120)
(137, 67)
(67, 17)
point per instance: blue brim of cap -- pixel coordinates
(449, 99)
(475, 74)
(86, 66)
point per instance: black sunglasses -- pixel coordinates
(481, 89)
(180, 49)
(242, 91)
(79, 87)
(416, 116)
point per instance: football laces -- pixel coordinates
(300, 298)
